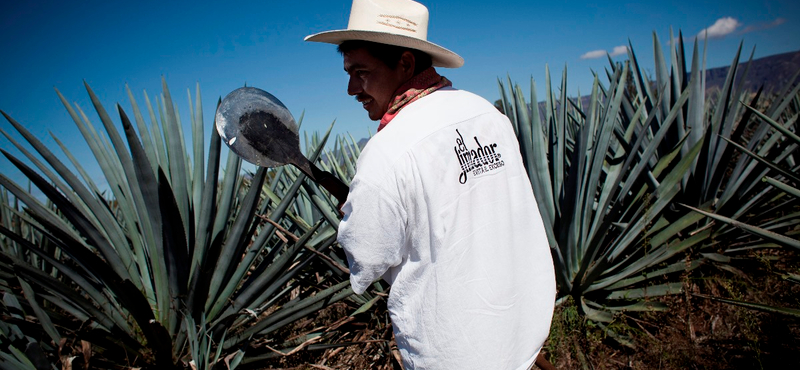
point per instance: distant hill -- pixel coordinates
(773, 72)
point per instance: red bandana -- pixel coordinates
(417, 87)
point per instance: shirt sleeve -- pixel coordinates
(372, 233)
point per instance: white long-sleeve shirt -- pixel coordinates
(442, 209)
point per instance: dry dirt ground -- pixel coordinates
(695, 333)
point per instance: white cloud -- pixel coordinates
(594, 54)
(619, 50)
(778, 22)
(763, 26)
(720, 28)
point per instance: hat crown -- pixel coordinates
(392, 22)
(400, 17)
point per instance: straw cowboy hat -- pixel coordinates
(393, 22)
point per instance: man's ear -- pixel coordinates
(406, 64)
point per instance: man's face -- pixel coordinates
(372, 82)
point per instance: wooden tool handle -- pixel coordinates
(328, 181)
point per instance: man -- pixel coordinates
(441, 206)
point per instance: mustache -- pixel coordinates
(361, 97)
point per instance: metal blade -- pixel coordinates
(258, 128)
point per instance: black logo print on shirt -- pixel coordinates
(479, 161)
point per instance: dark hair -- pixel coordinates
(388, 54)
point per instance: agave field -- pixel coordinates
(189, 262)
(650, 178)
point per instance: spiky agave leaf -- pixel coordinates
(754, 306)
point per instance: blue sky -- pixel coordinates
(108, 44)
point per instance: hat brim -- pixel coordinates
(440, 56)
